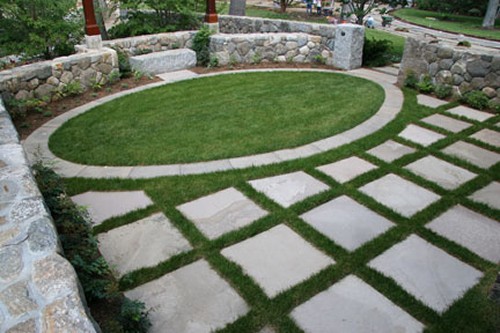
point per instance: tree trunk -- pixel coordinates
(491, 13)
(237, 7)
(283, 6)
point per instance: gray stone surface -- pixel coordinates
(447, 123)
(469, 113)
(346, 222)
(430, 101)
(50, 277)
(18, 299)
(390, 151)
(192, 299)
(348, 49)
(488, 136)
(165, 61)
(221, 212)
(351, 305)
(104, 205)
(401, 195)
(427, 272)
(489, 195)
(144, 243)
(267, 329)
(474, 231)
(177, 75)
(473, 154)
(347, 169)
(420, 135)
(12, 263)
(290, 188)
(277, 259)
(446, 175)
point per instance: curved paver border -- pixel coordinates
(36, 145)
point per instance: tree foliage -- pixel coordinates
(454, 6)
(34, 28)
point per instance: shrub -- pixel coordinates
(123, 63)
(201, 44)
(134, 317)
(74, 88)
(464, 43)
(476, 99)
(443, 91)
(376, 52)
(425, 85)
(494, 106)
(411, 80)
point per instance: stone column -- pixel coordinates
(92, 34)
(348, 50)
(211, 19)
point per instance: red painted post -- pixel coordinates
(211, 15)
(91, 27)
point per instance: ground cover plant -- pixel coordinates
(218, 117)
(472, 313)
(467, 25)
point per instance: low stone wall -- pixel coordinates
(461, 68)
(152, 43)
(280, 47)
(39, 289)
(49, 78)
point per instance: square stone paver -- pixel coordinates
(489, 195)
(351, 305)
(450, 124)
(473, 154)
(474, 231)
(488, 136)
(420, 135)
(390, 151)
(346, 222)
(430, 101)
(469, 113)
(192, 299)
(427, 272)
(445, 174)
(277, 259)
(222, 212)
(347, 169)
(104, 205)
(144, 243)
(401, 195)
(290, 188)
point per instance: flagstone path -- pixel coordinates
(196, 297)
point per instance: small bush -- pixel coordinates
(201, 44)
(134, 317)
(443, 91)
(464, 43)
(425, 85)
(494, 106)
(256, 58)
(476, 99)
(411, 80)
(74, 88)
(474, 12)
(123, 63)
(376, 52)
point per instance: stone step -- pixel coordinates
(165, 61)
(390, 70)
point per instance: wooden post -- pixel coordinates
(91, 27)
(211, 14)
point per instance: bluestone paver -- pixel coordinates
(192, 299)
(104, 205)
(144, 243)
(450, 124)
(222, 212)
(390, 151)
(353, 306)
(420, 135)
(401, 195)
(474, 231)
(489, 195)
(430, 101)
(290, 188)
(427, 272)
(346, 169)
(346, 222)
(466, 112)
(277, 259)
(473, 154)
(446, 175)
(488, 136)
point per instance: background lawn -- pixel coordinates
(217, 117)
(447, 22)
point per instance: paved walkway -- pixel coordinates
(36, 145)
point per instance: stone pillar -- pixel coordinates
(92, 32)
(348, 51)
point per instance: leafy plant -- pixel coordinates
(256, 58)
(411, 80)
(464, 43)
(376, 52)
(73, 88)
(123, 63)
(443, 91)
(214, 62)
(232, 61)
(95, 85)
(425, 85)
(138, 75)
(476, 99)
(201, 45)
(319, 59)
(134, 317)
(495, 106)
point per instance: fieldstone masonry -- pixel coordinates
(463, 69)
(39, 290)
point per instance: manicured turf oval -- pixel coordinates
(217, 117)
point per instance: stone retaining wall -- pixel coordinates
(461, 68)
(48, 79)
(39, 289)
(280, 47)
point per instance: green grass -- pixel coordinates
(472, 313)
(218, 117)
(454, 23)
